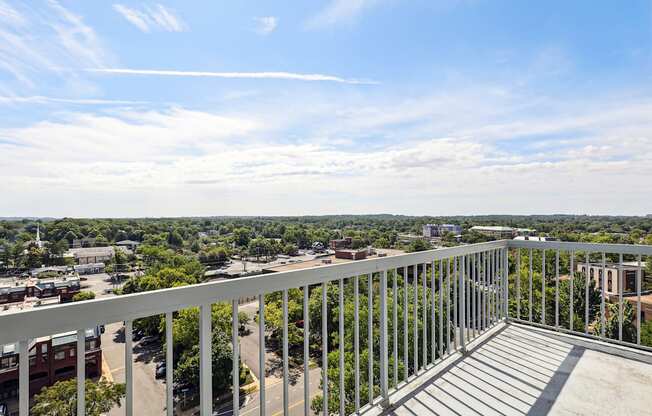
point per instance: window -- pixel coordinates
(72, 352)
(591, 273)
(60, 355)
(609, 284)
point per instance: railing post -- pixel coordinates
(205, 364)
(506, 277)
(129, 372)
(23, 378)
(462, 308)
(384, 390)
(80, 354)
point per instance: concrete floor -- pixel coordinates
(523, 371)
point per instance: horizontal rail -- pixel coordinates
(33, 323)
(587, 247)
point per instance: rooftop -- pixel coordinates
(519, 370)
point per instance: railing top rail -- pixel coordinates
(32, 323)
(633, 249)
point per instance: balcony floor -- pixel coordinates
(526, 371)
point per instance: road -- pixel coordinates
(149, 393)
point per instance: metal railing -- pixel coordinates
(430, 304)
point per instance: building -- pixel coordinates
(341, 243)
(526, 232)
(533, 238)
(438, 230)
(495, 231)
(51, 359)
(87, 255)
(83, 242)
(89, 268)
(128, 244)
(612, 284)
(331, 259)
(63, 287)
(351, 254)
(629, 270)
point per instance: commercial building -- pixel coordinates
(438, 230)
(495, 231)
(332, 259)
(51, 359)
(341, 243)
(351, 254)
(87, 255)
(64, 288)
(128, 244)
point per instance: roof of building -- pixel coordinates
(127, 243)
(318, 262)
(492, 228)
(91, 251)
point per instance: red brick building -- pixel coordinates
(51, 359)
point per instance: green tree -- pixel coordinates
(83, 295)
(418, 245)
(60, 399)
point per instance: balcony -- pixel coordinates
(465, 330)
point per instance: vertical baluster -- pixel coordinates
(483, 260)
(518, 283)
(603, 279)
(456, 304)
(235, 324)
(415, 327)
(462, 317)
(395, 326)
(169, 365)
(571, 316)
(433, 316)
(261, 348)
(384, 379)
(23, 378)
(370, 335)
(306, 350)
(474, 293)
(406, 350)
(324, 346)
(543, 286)
(205, 364)
(356, 341)
(586, 295)
(530, 300)
(621, 289)
(557, 289)
(467, 297)
(129, 365)
(424, 317)
(638, 301)
(286, 369)
(448, 306)
(441, 308)
(492, 288)
(506, 281)
(341, 346)
(80, 354)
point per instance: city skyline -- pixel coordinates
(129, 109)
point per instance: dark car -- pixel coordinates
(160, 370)
(148, 340)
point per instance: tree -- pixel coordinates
(83, 295)
(60, 399)
(174, 239)
(646, 333)
(418, 245)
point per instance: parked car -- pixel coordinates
(148, 340)
(160, 370)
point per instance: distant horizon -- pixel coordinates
(53, 218)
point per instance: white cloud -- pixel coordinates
(339, 11)
(242, 75)
(40, 99)
(168, 162)
(266, 24)
(34, 44)
(152, 17)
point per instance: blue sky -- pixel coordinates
(361, 106)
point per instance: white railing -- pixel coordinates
(458, 294)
